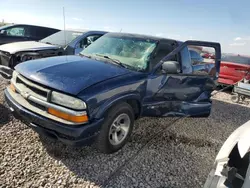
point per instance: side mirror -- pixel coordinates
(171, 67)
(3, 32)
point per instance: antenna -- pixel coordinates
(64, 26)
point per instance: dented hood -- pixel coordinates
(69, 74)
(26, 46)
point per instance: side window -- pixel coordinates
(85, 42)
(200, 65)
(44, 32)
(163, 50)
(35, 32)
(16, 31)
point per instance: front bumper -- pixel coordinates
(71, 135)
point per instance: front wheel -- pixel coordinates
(116, 129)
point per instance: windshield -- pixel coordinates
(131, 51)
(59, 38)
(236, 59)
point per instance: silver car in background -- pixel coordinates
(61, 43)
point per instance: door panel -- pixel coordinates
(179, 95)
(183, 94)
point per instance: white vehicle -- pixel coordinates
(232, 164)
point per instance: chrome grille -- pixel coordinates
(33, 89)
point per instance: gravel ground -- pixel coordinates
(158, 155)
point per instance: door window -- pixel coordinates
(36, 32)
(162, 50)
(16, 31)
(41, 33)
(201, 65)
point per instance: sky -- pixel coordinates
(224, 21)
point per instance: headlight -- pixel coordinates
(14, 75)
(13, 81)
(67, 101)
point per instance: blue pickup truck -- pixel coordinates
(95, 97)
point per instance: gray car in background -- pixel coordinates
(22, 32)
(60, 43)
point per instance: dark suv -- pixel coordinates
(20, 32)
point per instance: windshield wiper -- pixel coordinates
(45, 42)
(88, 56)
(116, 61)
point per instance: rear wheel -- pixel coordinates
(235, 98)
(116, 129)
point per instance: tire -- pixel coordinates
(106, 142)
(242, 97)
(235, 98)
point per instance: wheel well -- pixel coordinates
(236, 161)
(234, 157)
(136, 107)
(135, 104)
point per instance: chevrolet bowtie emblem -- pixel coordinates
(25, 94)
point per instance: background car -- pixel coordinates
(20, 32)
(208, 55)
(60, 43)
(234, 68)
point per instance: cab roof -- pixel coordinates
(140, 36)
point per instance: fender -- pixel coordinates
(118, 98)
(240, 136)
(244, 142)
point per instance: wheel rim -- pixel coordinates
(235, 98)
(119, 129)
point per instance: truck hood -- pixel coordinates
(26, 46)
(69, 74)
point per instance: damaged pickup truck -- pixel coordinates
(60, 43)
(97, 96)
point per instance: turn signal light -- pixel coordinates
(68, 117)
(12, 87)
